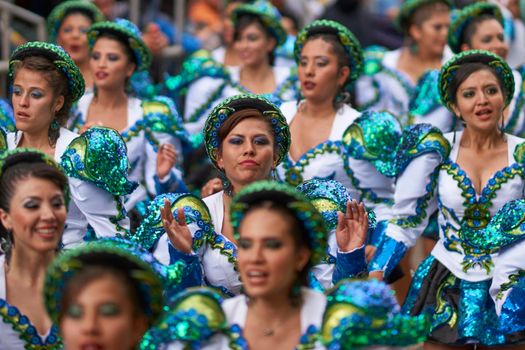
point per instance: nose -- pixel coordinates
(257, 254)
(483, 99)
(47, 213)
(249, 148)
(23, 100)
(89, 322)
(309, 69)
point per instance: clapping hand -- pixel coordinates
(177, 230)
(352, 227)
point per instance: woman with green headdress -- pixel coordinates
(34, 193)
(45, 83)
(151, 128)
(390, 77)
(246, 137)
(257, 33)
(67, 25)
(281, 236)
(467, 177)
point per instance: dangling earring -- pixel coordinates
(53, 132)
(295, 294)
(455, 127)
(413, 48)
(502, 126)
(226, 184)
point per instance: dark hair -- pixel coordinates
(343, 60)
(78, 11)
(238, 116)
(425, 12)
(465, 71)
(54, 77)
(91, 273)
(299, 235)
(11, 175)
(246, 19)
(472, 28)
(123, 41)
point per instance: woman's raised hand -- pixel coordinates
(177, 230)
(352, 227)
(166, 159)
(212, 186)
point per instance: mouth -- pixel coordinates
(91, 346)
(46, 232)
(75, 48)
(308, 85)
(249, 163)
(256, 277)
(100, 75)
(22, 114)
(483, 114)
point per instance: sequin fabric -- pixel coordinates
(450, 68)
(374, 136)
(59, 57)
(3, 140)
(193, 317)
(462, 19)
(236, 103)
(351, 45)
(365, 313)
(123, 28)
(512, 317)
(294, 200)
(147, 272)
(387, 256)
(7, 119)
(268, 14)
(425, 99)
(61, 11)
(100, 157)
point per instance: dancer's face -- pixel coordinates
(72, 36)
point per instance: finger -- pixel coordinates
(362, 212)
(167, 208)
(349, 212)
(341, 223)
(181, 218)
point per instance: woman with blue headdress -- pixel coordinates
(467, 176)
(281, 236)
(152, 130)
(45, 82)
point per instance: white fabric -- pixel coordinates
(141, 154)
(201, 90)
(332, 165)
(411, 185)
(9, 339)
(89, 204)
(236, 310)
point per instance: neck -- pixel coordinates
(29, 267)
(318, 109)
(111, 99)
(85, 70)
(425, 58)
(38, 139)
(482, 140)
(256, 72)
(273, 307)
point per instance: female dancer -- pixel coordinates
(45, 84)
(104, 295)
(467, 176)
(392, 76)
(257, 32)
(33, 207)
(246, 138)
(151, 129)
(67, 25)
(280, 236)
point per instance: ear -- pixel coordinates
(130, 69)
(59, 103)
(5, 218)
(272, 43)
(465, 47)
(139, 328)
(414, 32)
(220, 160)
(456, 110)
(344, 72)
(302, 258)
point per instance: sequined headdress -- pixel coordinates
(449, 70)
(347, 39)
(61, 11)
(330, 197)
(269, 15)
(59, 58)
(129, 33)
(461, 20)
(29, 155)
(237, 103)
(116, 253)
(409, 7)
(365, 313)
(288, 196)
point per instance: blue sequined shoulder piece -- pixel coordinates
(195, 211)
(426, 95)
(99, 156)
(374, 136)
(193, 317)
(160, 115)
(7, 120)
(373, 59)
(504, 229)
(420, 139)
(519, 153)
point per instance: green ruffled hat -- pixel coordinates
(100, 156)
(464, 17)
(408, 8)
(363, 313)
(61, 11)
(129, 33)
(294, 200)
(116, 253)
(230, 105)
(449, 70)
(350, 44)
(29, 155)
(269, 15)
(60, 59)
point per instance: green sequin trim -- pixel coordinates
(513, 279)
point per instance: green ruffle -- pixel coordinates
(3, 140)
(161, 116)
